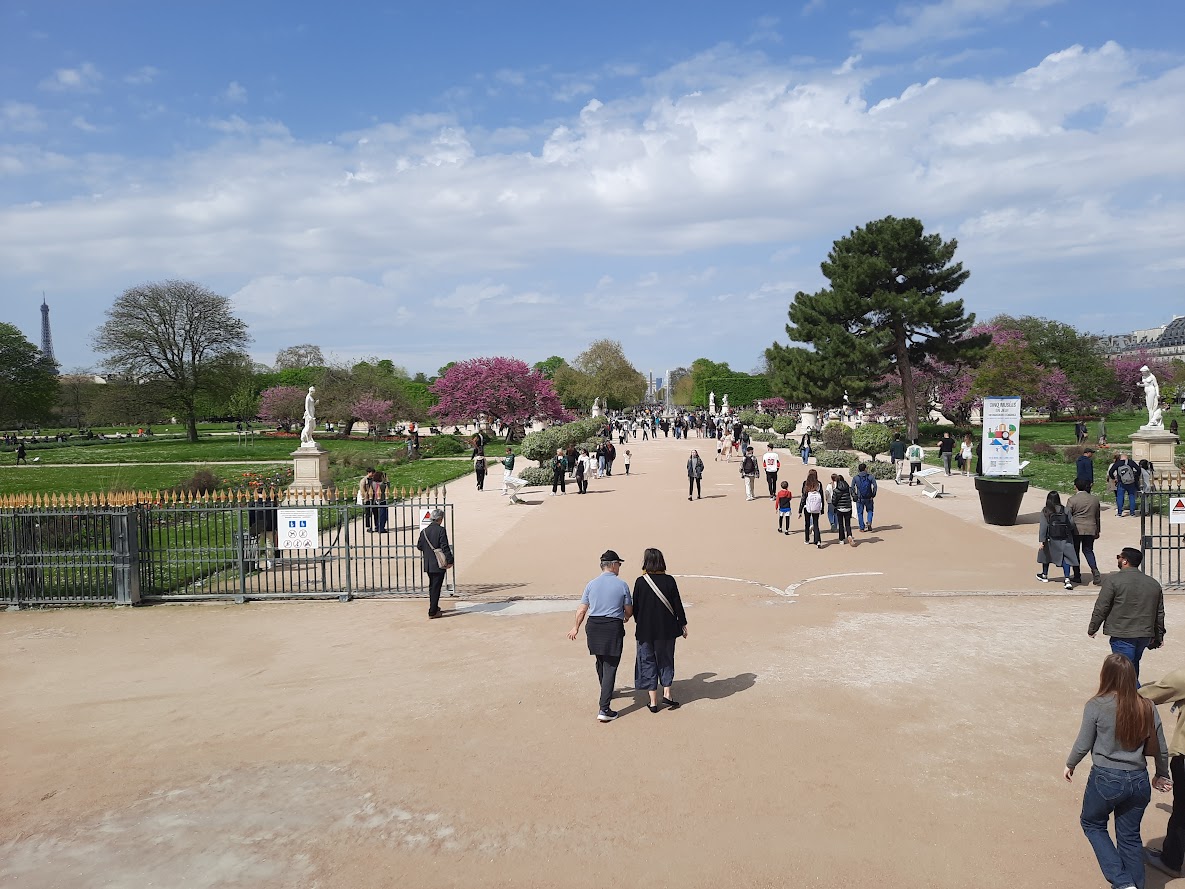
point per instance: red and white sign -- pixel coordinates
(1177, 510)
(425, 518)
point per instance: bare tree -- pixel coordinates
(304, 355)
(177, 334)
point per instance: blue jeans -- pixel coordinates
(1132, 649)
(831, 516)
(863, 506)
(806, 456)
(1130, 490)
(1127, 794)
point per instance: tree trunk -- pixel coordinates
(191, 426)
(905, 369)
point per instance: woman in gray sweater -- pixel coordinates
(1119, 728)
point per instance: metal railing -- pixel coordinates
(1162, 530)
(233, 546)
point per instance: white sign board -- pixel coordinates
(297, 530)
(1177, 510)
(425, 517)
(1001, 435)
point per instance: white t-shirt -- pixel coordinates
(771, 461)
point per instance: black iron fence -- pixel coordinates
(235, 546)
(1162, 530)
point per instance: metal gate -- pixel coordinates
(228, 547)
(1161, 540)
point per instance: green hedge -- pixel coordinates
(881, 471)
(541, 446)
(833, 459)
(536, 475)
(872, 438)
(741, 389)
(836, 436)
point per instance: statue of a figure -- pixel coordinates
(596, 408)
(310, 420)
(759, 410)
(712, 403)
(724, 404)
(1151, 398)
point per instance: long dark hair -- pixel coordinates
(1053, 503)
(812, 481)
(1133, 714)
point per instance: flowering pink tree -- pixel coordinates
(374, 410)
(1054, 392)
(504, 389)
(1129, 389)
(775, 405)
(283, 405)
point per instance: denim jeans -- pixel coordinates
(806, 456)
(1126, 794)
(1130, 490)
(1132, 649)
(831, 516)
(863, 506)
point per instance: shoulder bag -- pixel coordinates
(662, 598)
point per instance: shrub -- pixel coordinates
(542, 445)
(872, 439)
(833, 459)
(443, 446)
(880, 471)
(748, 418)
(763, 421)
(836, 436)
(201, 482)
(536, 475)
(1043, 448)
(784, 424)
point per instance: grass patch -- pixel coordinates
(99, 479)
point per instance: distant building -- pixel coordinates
(1166, 341)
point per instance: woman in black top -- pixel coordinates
(841, 497)
(658, 624)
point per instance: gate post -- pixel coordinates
(125, 543)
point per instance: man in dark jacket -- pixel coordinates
(1126, 474)
(1084, 466)
(1130, 609)
(432, 538)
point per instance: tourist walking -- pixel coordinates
(841, 499)
(915, 455)
(507, 470)
(479, 469)
(582, 470)
(946, 450)
(1102, 431)
(1126, 474)
(1130, 609)
(21, 454)
(1085, 513)
(607, 605)
(559, 468)
(897, 455)
(659, 620)
(829, 495)
(1170, 857)
(772, 464)
(966, 455)
(782, 506)
(438, 558)
(811, 506)
(864, 485)
(1119, 729)
(1055, 538)
(804, 447)
(749, 473)
(1084, 468)
(627, 462)
(695, 474)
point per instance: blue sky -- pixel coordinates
(430, 182)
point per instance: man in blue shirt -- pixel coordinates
(1084, 467)
(607, 605)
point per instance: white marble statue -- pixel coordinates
(724, 404)
(759, 410)
(596, 408)
(712, 403)
(310, 420)
(1151, 398)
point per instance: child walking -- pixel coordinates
(782, 504)
(627, 462)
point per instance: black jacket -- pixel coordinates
(651, 618)
(434, 537)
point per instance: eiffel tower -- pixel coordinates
(46, 336)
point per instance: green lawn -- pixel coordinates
(98, 479)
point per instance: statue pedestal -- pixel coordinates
(310, 469)
(1156, 446)
(807, 420)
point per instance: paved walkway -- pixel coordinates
(888, 715)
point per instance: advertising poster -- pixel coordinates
(1001, 435)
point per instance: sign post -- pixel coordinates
(297, 530)
(1177, 510)
(1001, 435)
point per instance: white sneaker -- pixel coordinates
(1069, 585)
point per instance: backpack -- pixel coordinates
(914, 453)
(865, 486)
(1125, 474)
(814, 502)
(1059, 526)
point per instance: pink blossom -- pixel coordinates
(282, 404)
(504, 389)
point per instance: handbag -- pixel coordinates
(665, 601)
(441, 560)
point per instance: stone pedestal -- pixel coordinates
(310, 469)
(807, 420)
(1156, 446)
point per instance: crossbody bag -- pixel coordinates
(662, 598)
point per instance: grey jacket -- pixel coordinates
(1056, 551)
(1084, 512)
(1130, 606)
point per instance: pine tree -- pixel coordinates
(884, 312)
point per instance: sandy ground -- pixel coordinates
(891, 715)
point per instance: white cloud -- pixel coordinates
(81, 123)
(20, 117)
(142, 76)
(84, 78)
(916, 24)
(235, 93)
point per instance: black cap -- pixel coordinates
(610, 556)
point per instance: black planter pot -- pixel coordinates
(1000, 497)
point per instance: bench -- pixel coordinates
(928, 487)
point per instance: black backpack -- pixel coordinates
(1059, 526)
